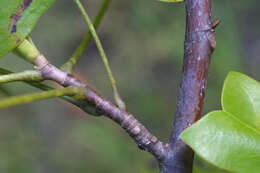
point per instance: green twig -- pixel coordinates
(117, 97)
(85, 106)
(17, 100)
(70, 64)
(28, 76)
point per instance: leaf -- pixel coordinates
(230, 139)
(171, 0)
(17, 19)
(201, 166)
(241, 97)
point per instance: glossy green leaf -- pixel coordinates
(17, 19)
(230, 139)
(241, 97)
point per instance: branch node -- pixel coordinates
(154, 139)
(136, 130)
(41, 61)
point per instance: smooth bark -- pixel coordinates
(199, 46)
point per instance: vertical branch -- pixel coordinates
(199, 45)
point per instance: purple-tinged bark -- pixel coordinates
(199, 46)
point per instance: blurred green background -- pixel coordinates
(144, 43)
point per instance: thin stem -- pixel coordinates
(17, 100)
(70, 64)
(144, 139)
(83, 105)
(28, 76)
(102, 53)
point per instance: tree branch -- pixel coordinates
(144, 139)
(70, 64)
(199, 45)
(83, 105)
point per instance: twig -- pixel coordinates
(144, 139)
(83, 105)
(70, 64)
(28, 76)
(102, 53)
(16, 100)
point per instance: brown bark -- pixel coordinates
(199, 46)
(144, 139)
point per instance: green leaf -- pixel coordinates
(17, 19)
(241, 97)
(201, 166)
(230, 139)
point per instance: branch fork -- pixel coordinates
(49, 71)
(200, 43)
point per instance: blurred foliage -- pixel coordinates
(144, 43)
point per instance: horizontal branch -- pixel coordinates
(144, 139)
(83, 105)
